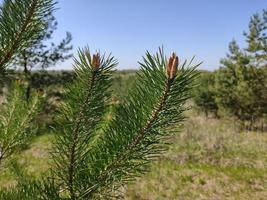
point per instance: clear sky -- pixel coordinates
(129, 27)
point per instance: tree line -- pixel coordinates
(239, 86)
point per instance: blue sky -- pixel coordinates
(129, 27)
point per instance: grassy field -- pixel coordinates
(208, 160)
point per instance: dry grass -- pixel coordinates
(210, 159)
(33, 161)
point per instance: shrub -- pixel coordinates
(205, 94)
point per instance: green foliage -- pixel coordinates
(256, 37)
(205, 93)
(22, 191)
(93, 160)
(16, 124)
(233, 84)
(31, 190)
(44, 79)
(241, 83)
(93, 156)
(21, 24)
(41, 54)
(241, 94)
(80, 118)
(239, 87)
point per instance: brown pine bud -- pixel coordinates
(96, 61)
(169, 66)
(172, 66)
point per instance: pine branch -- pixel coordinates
(21, 22)
(76, 132)
(154, 117)
(136, 141)
(140, 127)
(80, 119)
(18, 37)
(16, 120)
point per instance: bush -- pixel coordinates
(205, 94)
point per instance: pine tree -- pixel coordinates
(242, 80)
(256, 38)
(234, 92)
(21, 24)
(42, 54)
(238, 88)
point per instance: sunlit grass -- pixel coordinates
(209, 159)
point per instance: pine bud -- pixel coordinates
(172, 66)
(169, 67)
(96, 61)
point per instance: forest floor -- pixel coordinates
(209, 159)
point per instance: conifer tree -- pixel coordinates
(21, 24)
(256, 38)
(242, 80)
(43, 54)
(235, 91)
